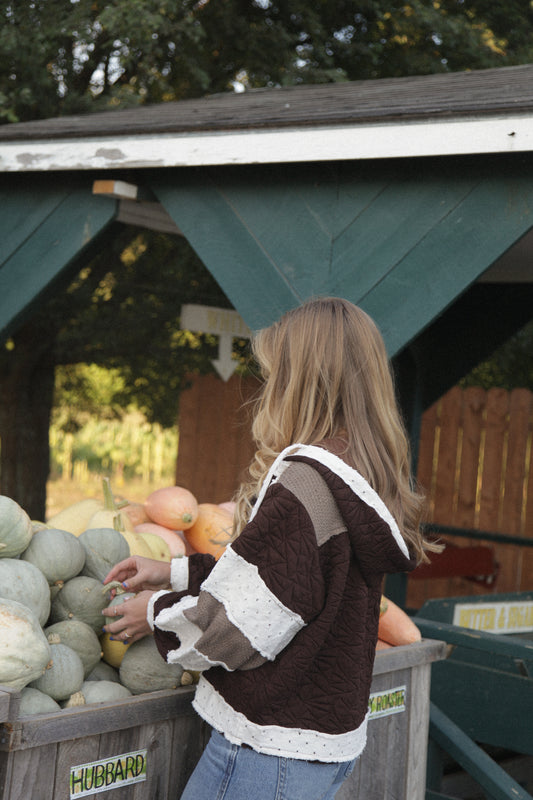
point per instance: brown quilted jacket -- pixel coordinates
(284, 625)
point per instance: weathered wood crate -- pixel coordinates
(145, 747)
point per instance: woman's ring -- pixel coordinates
(126, 636)
(115, 611)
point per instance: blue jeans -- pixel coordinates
(229, 772)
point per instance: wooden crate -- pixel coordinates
(38, 754)
(393, 764)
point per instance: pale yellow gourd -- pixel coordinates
(109, 514)
(75, 517)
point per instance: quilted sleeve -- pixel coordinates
(264, 589)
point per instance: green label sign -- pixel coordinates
(108, 773)
(390, 701)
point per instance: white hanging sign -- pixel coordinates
(224, 323)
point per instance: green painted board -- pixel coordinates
(402, 239)
(46, 232)
(490, 706)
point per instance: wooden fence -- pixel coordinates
(475, 466)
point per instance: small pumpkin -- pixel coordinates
(143, 670)
(174, 507)
(212, 531)
(58, 554)
(80, 637)
(23, 582)
(64, 674)
(104, 547)
(113, 650)
(16, 528)
(80, 598)
(24, 652)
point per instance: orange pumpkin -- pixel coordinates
(212, 530)
(174, 507)
(395, 626)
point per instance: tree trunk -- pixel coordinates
(26, 397)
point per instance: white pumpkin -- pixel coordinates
(24, 650)
(23, 582)
(16, 528)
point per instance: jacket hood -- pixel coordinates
(375, 538)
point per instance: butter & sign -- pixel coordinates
(108, 773)
(497, 617)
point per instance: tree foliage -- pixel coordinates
(71, 56)
(62, 57)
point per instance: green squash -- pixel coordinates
(23, 582)
(143, 670)
(64, 675)
(104, 547)
(33, 701)
(80, 637)
(103, 691)
(103, 672)
(58, 554)
(80, 598)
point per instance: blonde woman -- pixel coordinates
(284, 626)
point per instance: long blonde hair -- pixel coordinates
(327, 374)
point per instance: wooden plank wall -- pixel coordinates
(475, 466)
(215, 443)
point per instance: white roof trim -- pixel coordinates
(460, 136)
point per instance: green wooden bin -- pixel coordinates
(485, 686)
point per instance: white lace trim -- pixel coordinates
(150, 607)
(350, 476)
(173, 619)
(275, 739)
(179, 574)
(250, 605)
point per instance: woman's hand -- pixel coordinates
(137, 574)
(131, 623)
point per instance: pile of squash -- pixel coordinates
(54, 650)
